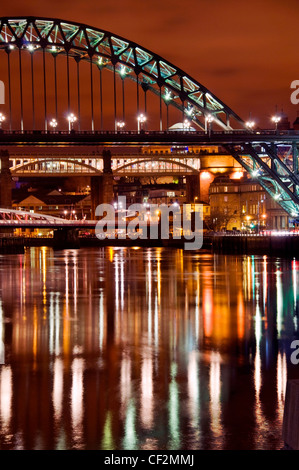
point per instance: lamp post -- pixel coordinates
(210, 119)
(71, 119)
(186, 125)
(2, 119)
(276, 119)
(53, 123)
(120, 125)
(140, 120)
(167, 99)
(250, 125)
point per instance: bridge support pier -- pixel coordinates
(101, 191)
(192, 189)
(5, 180)
(102, 186)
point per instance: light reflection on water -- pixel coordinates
(123, 348)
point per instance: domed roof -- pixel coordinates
(181, 127)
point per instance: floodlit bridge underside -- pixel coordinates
(89, 167)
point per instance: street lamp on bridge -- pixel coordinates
(276, 119)
(71, 119)
(2, 119)
(53, 123)
(186, 125)
(250, 125)
(209, 120)
(120, 125)
(140, 120)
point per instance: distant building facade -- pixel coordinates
(244, 205)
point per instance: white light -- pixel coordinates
(186, 124)
(11, 46)
(72, 118)
(141, 118)
(53, 123)
(167, 96)
(276, 119)
(255, 172)
(120, 124)
(210, 118)
(250, 124)
(2, 117)
(276, 196)
(123, 70)
(30, 47)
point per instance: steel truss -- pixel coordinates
(121, 56)
(275, 168)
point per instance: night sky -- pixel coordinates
(245, 52)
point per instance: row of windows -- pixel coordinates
(234, 189)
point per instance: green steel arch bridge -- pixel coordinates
(69, 84)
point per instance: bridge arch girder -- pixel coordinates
(188, 168)
(129, 59)
(92, 170)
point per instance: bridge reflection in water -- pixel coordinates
(144, 348)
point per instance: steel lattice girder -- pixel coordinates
(116, 53)
(270, 172)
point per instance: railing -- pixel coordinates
(67, 223)
(263, 233)
(262, 132)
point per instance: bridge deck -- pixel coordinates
(144, 137)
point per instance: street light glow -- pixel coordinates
(186, 124)
(276, 120)
(71, 119)
(53, 123)
(120, 124)
(2, 119)
(250, 124)
(123, 71)
(167, 96)
(141, 118)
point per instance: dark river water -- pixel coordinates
(123, 348)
